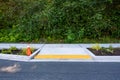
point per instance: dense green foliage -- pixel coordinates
(63, 20)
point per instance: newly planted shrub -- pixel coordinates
(6, 51)
(96, 47)
(108, 50)
(13, 48)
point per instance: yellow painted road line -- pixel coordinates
(62, 57)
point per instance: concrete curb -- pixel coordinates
(14, 57)
(39, 47)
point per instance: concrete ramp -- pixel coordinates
(62, 51)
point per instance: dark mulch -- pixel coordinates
(116, 52)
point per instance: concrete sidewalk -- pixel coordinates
(60, 52)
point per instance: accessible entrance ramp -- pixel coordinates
(62, 51)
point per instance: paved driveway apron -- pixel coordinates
(13, 70)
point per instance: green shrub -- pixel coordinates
(12, 48)
(96, 47)
(67, 20)
(6, 51)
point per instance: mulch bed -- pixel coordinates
(16, 52)
(116, 52)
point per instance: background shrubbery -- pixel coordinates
(61, 20)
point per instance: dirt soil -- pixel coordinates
(116, 52)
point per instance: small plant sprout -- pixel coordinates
(110, 49)
(23, 52)
(96, 47)
(13, 48)
(6, 51)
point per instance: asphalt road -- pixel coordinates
(13, 70)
